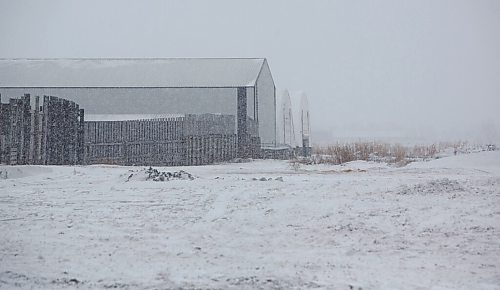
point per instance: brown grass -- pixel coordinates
(372, 151)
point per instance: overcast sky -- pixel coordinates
(410, 69)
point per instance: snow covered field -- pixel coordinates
(429, 225)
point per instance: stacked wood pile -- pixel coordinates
(47, 133)
(55, 132)
(188, 140)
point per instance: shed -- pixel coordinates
(242, 87)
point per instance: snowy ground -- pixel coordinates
(363, 225)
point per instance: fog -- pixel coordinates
(394, 70)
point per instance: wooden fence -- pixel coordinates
(188, 140)
(55, 132)
(47, 133)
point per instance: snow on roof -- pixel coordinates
(134, 72)
(129, 117)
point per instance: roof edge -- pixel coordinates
(124, 58)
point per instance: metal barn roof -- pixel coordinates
(136, 72)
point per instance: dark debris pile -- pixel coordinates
(156, 175)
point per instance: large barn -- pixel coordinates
(160, 88)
